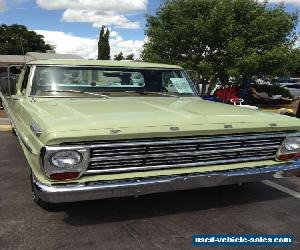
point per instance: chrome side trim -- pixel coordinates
(21, 139)
(133, 187)
(25, 144)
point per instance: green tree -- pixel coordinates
(119, 57)
(18, 40)
(222, 38)
(103, 44)
(130, 57)
(294, 63)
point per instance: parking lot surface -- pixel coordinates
(160, 221)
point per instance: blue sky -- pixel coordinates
(36, 18)
(73, 25)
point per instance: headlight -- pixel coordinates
(291, 145)
(290, 148)
(65, 159)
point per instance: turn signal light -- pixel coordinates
(288, 157)
(290, 149)
(64, 176)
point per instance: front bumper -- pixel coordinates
(134, 187)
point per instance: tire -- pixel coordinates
(13, 131)
(40, 202)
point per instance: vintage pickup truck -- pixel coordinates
(100, 129)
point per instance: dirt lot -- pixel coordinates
(2, 114)
(162, 221)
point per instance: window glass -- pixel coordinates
(294, 86)
(119, 81)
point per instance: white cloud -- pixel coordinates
(98, 12)
(297, 43)
(121, 6)
(99, 19)
(118, 44)
(69, 44)
(87, 47)
(2, 5)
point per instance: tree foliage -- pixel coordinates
(103, 44)
(119, 57)
(222, 38)
(130, 57)
(294, 63)
(18, 40)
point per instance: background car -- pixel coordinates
(292, 85)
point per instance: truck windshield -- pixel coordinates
(55, 81)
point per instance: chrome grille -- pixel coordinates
(142, 155)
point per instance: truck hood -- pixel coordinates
(71, 120)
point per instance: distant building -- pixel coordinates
(7, 60)
(44, 56)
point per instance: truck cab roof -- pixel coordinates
(101, 63)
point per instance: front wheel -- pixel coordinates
(13, 131)
(39, 201)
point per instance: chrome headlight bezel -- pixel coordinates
(49, 168)
(289, 147)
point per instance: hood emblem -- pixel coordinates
(115, 131)
(36, 130)
(228, 126)
(174, 128)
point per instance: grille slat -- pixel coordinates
(198, 164)
(113, 151)
(142, 155)
(226, 139)
(194, 153)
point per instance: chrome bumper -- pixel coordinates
(134, 187)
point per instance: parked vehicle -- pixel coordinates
(101, 129)
(292, 85)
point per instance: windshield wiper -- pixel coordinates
(152, 93)
(78, 92)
